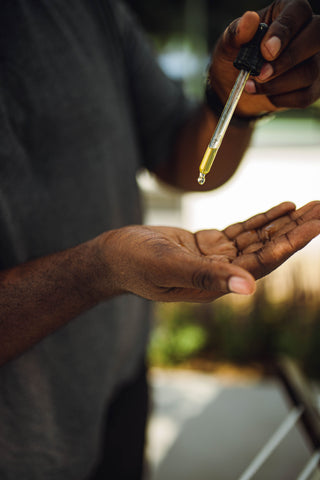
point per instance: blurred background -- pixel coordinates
(214, 397)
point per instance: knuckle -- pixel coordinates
(304, 8)
(292, 14)
(285, 26)
(202, 280)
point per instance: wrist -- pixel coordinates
(107, 252)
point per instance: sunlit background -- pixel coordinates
(206, 425)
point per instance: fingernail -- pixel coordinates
(239, 285)
(273, 46)
(250, 87)
(266, 72)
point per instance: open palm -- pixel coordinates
(172, 264)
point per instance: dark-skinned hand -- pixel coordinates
(290, 76)
(172, 264)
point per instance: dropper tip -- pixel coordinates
(202, 178)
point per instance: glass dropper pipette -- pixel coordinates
(249, 61)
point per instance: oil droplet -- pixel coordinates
(202, 178)
(269, 231)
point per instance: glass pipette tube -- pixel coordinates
(222, 125)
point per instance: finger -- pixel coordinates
(292, 241)
(298, 88)
(300, 77)
(223, 278)
(309, 212)
(274, 253)
(240, 31)
(304, 46)
(259, 220)
(254, 239)
(287, 22)
(204, 274)
(299, 99)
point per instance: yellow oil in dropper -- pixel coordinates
(206, 163)
(222, 126)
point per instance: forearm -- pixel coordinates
(38, 297)
(182, 170)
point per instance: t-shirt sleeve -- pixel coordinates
(160, 107)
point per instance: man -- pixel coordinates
(83, 108)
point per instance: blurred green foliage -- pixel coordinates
(227, 331)
(176, 339)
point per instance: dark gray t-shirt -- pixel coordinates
(83, 106)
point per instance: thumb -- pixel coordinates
(218, 276)
(241, 30)
(241, 285)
